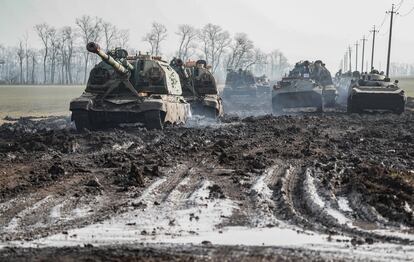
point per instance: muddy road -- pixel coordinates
(316, 186)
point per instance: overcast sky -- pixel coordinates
(302, 29)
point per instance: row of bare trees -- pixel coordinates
(219, 49)
(62, 59)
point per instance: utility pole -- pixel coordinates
(350, 58)
(345, 62)
(363, 53)
(392, 12)
(374, 31)
(356, 56)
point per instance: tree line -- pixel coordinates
(62, 58)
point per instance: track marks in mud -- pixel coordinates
(171, 207)
(305, 202)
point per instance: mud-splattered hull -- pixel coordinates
(377, 101)
(329, 97)
(297, 99)
(228, 92)
(209, 106)
(97, 113)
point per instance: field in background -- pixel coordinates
(16, 101)
(407, 83)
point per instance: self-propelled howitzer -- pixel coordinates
(94, 48)
(129, 89)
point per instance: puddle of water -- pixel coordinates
(375, 252)
(344, 204)
(256, 237)
(174, 218)
(125, 145)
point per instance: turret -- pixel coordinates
(120, 68)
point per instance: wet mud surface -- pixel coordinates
(312, 186)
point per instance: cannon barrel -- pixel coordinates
(95, 48)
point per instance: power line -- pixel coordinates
(356, 55)
(409, 12)
(385, 33)
(363, 53)
(383, 21)
(391, 12)
(399, 5)
(374, 31)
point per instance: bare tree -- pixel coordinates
(242, 52)
(43, 32)
(69, 38)
(123, 38)
(258, 58)
(20, 55)
(54, 49)
(215, 40)
(188, 36)
(110, 33)
(278, 63)
(90, 31)
(34, 62)
(155, 37)
(26, 51)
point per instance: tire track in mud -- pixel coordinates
(175, 205)
(301, 201)
(256, 175)
(45, 212)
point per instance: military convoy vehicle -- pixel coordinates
(321, 75)
(297, 92)
(343, 82)
(307, 85)
(374, 91)
(199, 87)
(239, 83)
(263, 86)
(129, 89)
(244, 91)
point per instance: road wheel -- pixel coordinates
(82, 121)
(153, 120)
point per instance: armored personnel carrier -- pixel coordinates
(129, 89)
(376, 92)
(298, 90)
(240, 83)
(199, 87)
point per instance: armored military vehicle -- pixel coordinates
(321, 75)
(298, 90)
(343, 83)
(374, 91)
(263, 86)
(199, 87)
(239, 83)
(129, 89)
